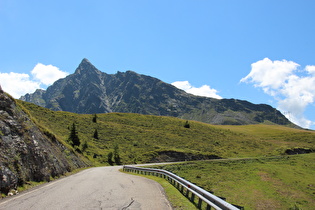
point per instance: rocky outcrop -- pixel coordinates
(175, 156)
(296, 151)
(90, 91)
(27, 154)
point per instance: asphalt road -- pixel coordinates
(95, 188)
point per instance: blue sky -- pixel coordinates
(262, 51)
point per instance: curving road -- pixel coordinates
(95, 188)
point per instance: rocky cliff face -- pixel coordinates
(90, 91)
(27, 154)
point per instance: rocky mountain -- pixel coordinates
(27, 152)
(90, 91)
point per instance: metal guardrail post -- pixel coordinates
(187, 193)
(199, 203)
(181, 188)
(208, 207)
(192, 197)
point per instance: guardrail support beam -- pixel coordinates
(187, 193)
(208, 207)
(192, 197)
(199, 203)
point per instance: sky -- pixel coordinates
(262, 51)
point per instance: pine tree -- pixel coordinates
(74, 139)
(110, 158)
(94, 118)
(116, 155)
(95, 135)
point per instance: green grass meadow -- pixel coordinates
(257, 174)
(141, 137)
(280, 182)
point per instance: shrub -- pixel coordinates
(187, 125)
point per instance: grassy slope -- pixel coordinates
(140, 136)
(262, 183)
(283, 182)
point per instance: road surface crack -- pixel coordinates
(100, 205)
(132, 200)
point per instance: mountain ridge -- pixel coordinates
(89, 90)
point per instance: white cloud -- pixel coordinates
(47, 74)
(204, 90)
(183, 85)
(281, 80)
(17, 84)
(270, 74)
(310, 69)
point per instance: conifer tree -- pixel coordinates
(94, 118)
(110, 158)
(95, 135)
(74, 139)
(116, 155)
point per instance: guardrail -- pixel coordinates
(190, 190)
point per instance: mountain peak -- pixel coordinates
(85, 60)
(85, 66)
(89, 91)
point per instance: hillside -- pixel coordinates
(281, 182)
(149, 138)
(88, 91)
(29, 153)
